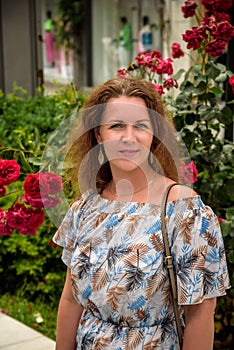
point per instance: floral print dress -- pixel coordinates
(115, 252)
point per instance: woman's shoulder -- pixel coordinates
(180, 191)
(81, 201)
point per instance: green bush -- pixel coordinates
(30, 263)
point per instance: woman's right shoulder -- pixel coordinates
(81, 201)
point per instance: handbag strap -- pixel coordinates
(169, 264)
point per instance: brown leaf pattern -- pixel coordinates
(198, 258)
(100, 219)
(141, 314)
(157, 242)
(135, 251)
(134, 339)
(186, 228)
(166, 294)
(113, 296)
(99, 279)
(183, 294)
(132, 223)
(114, 250)
(108, 235)
(102, 343)
(154, 344)
(212, 240)
(155, 282)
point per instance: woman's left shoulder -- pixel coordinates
(180, 191)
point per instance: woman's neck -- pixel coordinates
(126, 184)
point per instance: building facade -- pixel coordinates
(22, 44)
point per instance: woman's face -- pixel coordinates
(126, 132)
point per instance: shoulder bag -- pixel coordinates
(169, 264)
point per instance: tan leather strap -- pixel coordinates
(169, 264)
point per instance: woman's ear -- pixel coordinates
(97, 135)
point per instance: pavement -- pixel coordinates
(14, 335)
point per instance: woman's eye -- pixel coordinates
(141, 126)
(116, 126)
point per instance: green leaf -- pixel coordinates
(190, 118)
(230, 214)
(216, 90)
(25, 163)
(221, 78)
(226, 227)
(200, 89)
(196, 69)
(225, 116)
(184, 99)
(212, 70)
(178, 74)
(230, 256)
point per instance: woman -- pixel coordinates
(117, 292)
(145, 37)
(49, 39)
(124, 43)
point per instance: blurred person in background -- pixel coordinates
(124, 43)
(49, 39)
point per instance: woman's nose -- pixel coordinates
(129, 134)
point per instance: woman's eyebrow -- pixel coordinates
(125, 122)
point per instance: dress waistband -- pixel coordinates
(128, 323)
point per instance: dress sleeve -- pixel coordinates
(67, 232)
(199, 253)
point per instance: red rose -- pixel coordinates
(221, 16)
(31, 185)
(222, 5)
(220, 219)
(188, 172)
(24, 219)
(189, 8)
(209, 22)
(224, 31)
(18, 215)
(156, 54)
(121, 73)
(165, 67)
(168, 83)
(215, 47)
(144, 59)
(43, 202)
(2, 214)
(208, 4)
(158, 88)
(9, 171)
(5, 230)
(50, 202)
(34, 202)
(217, 5)
(41, 184)
(50, 183)
(177, 52)
(231, 82)
(2, 191)
(36, 220)
(193, 38)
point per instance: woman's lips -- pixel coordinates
(129, 153)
